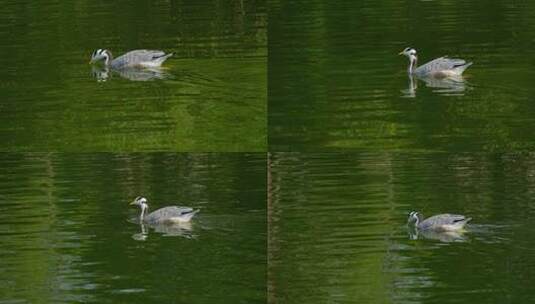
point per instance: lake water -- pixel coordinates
(336, 81)
(212, 96)
(338, 233)
(68, 235)
(81, 141)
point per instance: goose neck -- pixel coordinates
(413, 60)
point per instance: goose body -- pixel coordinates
(165, 215)
(136, 58)
(439, 222)
(440, 67)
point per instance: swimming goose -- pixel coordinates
(165, 215)
(440, 67)
(136, 58)
(440, 222)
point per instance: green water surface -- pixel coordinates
(68, 235)
(336, 81)
(338, 228)
(213, 97)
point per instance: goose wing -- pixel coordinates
(440, 64)
(443, 219)
(137, 57)
(165, 213)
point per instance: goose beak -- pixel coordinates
(400, 53)
(133, 203)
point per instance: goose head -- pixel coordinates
(142, 203)
(101, 54)
(409, 52)
(414, 217)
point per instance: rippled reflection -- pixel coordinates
(102, 73)
(184, 230)
(442, 236)
(447, 86)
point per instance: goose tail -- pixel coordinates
(159, 61)
(460, 69)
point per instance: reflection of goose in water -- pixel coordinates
(130, 73)
(165, 215)
(136, 58)
(444, 236)
(454, 85)
(184, 230)
(440, 67)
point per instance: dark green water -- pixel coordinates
(67, 233)
(213, 97)
(338, 234)
(80, 142)
(336, 81)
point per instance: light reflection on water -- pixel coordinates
(448, 86)
(133, 74)
(184, 230)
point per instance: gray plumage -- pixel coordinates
(442, 64)
(182, 214)
(136, 58)
(440, 222)
(440, 67)
(165, 215)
